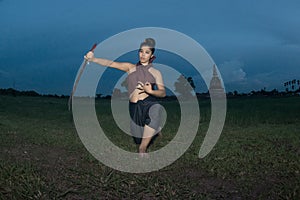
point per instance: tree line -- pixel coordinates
(184, 86)
(292, 85)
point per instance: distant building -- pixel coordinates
(216, 89)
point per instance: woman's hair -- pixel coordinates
(149, 42)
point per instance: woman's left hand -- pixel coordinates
(147, 87)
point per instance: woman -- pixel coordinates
(145, 83)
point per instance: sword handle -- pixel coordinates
(92, 49)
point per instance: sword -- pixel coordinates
(82, 67)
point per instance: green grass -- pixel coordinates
(20, 181)
(256, 157)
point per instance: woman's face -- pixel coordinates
(145, 54)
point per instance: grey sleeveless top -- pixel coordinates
(141, 74)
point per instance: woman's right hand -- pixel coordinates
(89, 56)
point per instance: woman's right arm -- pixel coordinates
(124, 66)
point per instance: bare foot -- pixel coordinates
(142, 149)
(143, 153)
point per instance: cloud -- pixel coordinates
(270, 80)
(5, 79)
(2, 72)
(232, 71)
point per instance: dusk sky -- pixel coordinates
(255, 44)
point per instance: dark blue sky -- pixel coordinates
(254, 44)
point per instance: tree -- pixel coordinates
(117, 93)
(125, 83)
(184, 86)
(191, 81)
(291, 85)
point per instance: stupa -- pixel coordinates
(216, 89)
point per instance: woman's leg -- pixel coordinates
(136, 122)
(152, 126)
(147, 136)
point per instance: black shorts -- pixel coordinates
(144, 112)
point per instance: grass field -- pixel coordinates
(256, 157)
